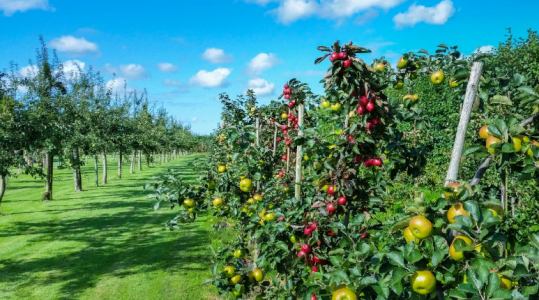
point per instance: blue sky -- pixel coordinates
(187, 52)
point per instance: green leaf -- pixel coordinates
(398, 274)
(438, 257)
(474, 280)
(528, 90)
(458, 294)
(516, 129)
(500, 99)
(472, 208)
(397, 259)
(501, 126)
(257, 176)
(534, 239)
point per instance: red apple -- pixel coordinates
(358, 159)
(377, 162)
(284, 157)
(313, 297)
(363, 100)
(331, 207)
(306, 248)
(301, 254)
(287, 96)
(350, 138)
(307, 230)
(286, 86)
(370, 106)
(343, 55)
(284, 127)
(331, 190)
(281, 174)
(347, 63)
(341, 200)
(360, 110)
(370, 125)
(368, 163)
(314, 269)
(374, 121)
(331, 233)
(364, 235)
(313, 225)
(334, 56)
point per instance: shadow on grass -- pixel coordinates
(118, 241)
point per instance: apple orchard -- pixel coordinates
(326, 193)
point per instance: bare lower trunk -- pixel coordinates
(77, 178)
(163, 157)
(174, 154)
(104, 180)
(140, 160)
(48, 183)
(2, 187)
(148, 156)
(132, 170)
(96, 161)
(119, 173)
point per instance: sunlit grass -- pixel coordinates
(103, 243)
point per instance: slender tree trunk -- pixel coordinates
(174, 154)
(2, 187)
(119, 173)
(148, 157)
(132, 169)
(48, 183)
(30, 161)
(96, 162)
(140, 160)
(162, 157)
(104, 179)
(76, 171)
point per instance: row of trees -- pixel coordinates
(354, 229)
(50, 113)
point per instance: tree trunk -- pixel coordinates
(30, 161)
(174, 154)
(48, 183)
(104, 179)
(119, 173)
(162, 157)
(139, 160)
(2, 187)
(77, 178)
(471, 92)
(132, 169)
(96, 162)
(148, 157)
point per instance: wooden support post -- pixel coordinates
(471, 93)
(258, 146)
(275, 140)
(299, 154)
(288, 148)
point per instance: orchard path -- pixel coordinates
(103, 243)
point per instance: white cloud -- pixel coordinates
(73, 45)
(215, 78)
(216, 56)
(194, 119)
(438, 14)
(484, 49)
(70, 67)
(117, 85)
(290, 11)
(167, 67)
(29, 71)
(260, 86)
(129, 71)
(170, 82)
(260, 63)
(12, 6)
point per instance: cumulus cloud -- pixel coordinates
(260, 86)
(9, 7)
(167, 67)
(74, 46)
(216, 56)
(484, 49)
(290, 11)
(72, 67)
(117, 85)
(215, 78)
(438, 14)
(261, 62)
(129, 71)
(170, 82)
(29, 71)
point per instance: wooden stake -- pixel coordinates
(299, 154)
(471, 93)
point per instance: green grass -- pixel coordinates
(103, 243)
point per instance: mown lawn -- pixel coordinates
(103, 243)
